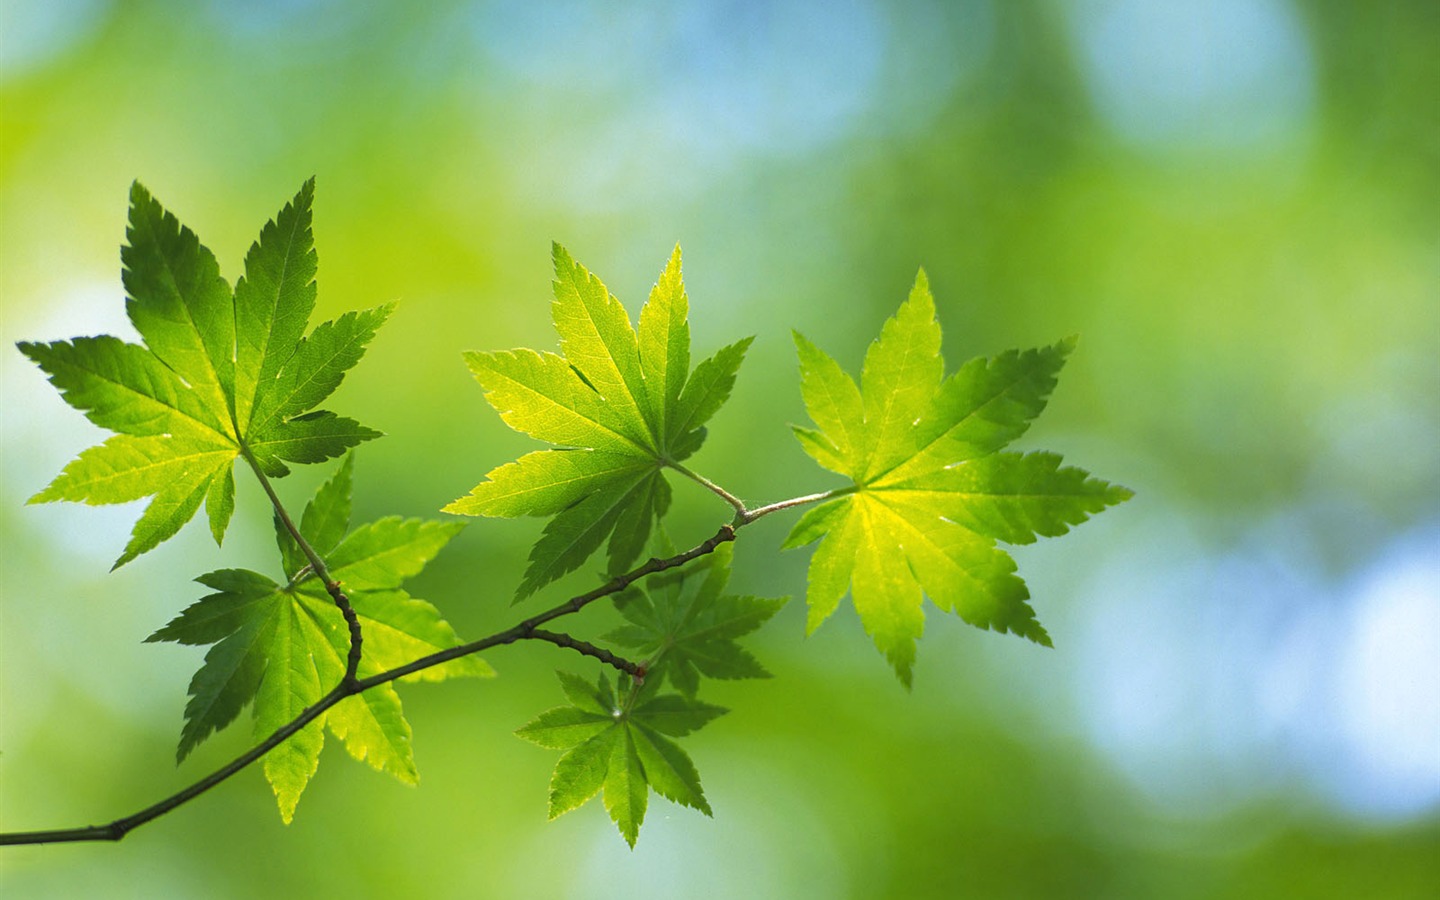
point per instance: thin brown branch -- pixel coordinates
(528, 629)
(585, 648)
(117, 829)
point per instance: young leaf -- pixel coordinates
(619, 405)
(620, 747)
(931, 494)
(219, 374)
(283, 647)
(687, 627)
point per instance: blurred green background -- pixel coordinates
(1234, 203)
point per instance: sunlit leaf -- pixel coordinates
(220, 373)
(281, 647)
(930, 494)
(619, 404)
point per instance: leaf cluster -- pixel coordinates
(930, 490)
(684, 627)
(226, 374)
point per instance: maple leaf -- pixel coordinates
(686, 627)
(620, 405)
(931, 494)
(283, 646)
(623, 746)
(221, 373)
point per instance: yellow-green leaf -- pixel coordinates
(280, 648)
(930, 495)
(219, 374)
(619, 404)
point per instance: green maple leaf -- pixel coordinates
(931, 492)
(623, 746)
(621, 405)
(686, 627)
(283, 646)
(221, 373)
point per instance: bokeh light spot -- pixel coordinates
(1228, 73)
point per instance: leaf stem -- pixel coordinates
(745, 515)
(712, 487)
(751, 515)
(117, 829)
(317, 566)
